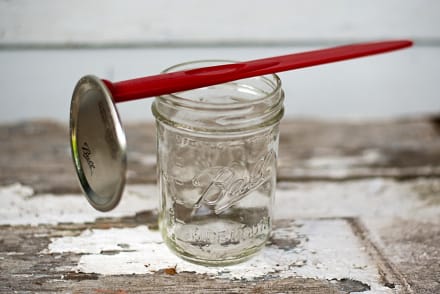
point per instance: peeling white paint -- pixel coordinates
(19, 206)
(369, 199)
(327, 249)
(367, 157)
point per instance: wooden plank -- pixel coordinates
(309, 150)
(340, 151)
(199, 22)
(334, 233)
(58, 270)
(320, 243)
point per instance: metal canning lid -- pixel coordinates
(97, 143)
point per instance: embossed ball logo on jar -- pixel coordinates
(225, 186)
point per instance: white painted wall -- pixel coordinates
(46, 45)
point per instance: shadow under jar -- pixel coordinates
(216, 152)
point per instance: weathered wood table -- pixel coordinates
(357, 210)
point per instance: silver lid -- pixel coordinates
(98, 143)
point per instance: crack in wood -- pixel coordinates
(389, 274)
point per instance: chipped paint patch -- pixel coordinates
(325, 249)
(367, 157)
(368, 199)
(19, 206)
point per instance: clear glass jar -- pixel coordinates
(217, 149)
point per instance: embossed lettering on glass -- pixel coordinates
(217, 151)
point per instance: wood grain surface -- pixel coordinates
(372, 184)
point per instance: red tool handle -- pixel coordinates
(206, 76)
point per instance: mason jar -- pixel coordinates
(217, 150)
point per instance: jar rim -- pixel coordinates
(175, 98)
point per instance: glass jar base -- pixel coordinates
(231, 260)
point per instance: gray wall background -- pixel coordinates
(47, 45)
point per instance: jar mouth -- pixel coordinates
(233, 106)
(272, 80)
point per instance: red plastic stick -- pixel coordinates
(206, 76)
